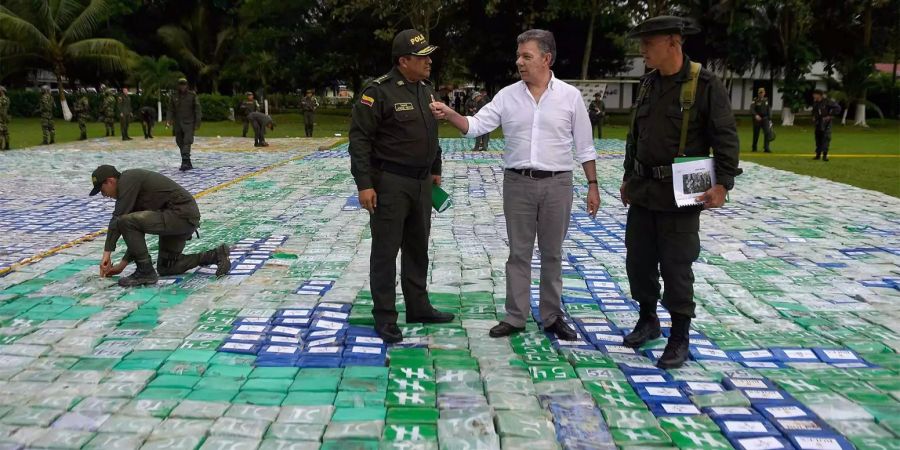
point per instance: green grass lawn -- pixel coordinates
(864, 157)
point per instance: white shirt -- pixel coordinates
(539, 135)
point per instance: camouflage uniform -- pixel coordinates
(4, 119)
(46, 108)
(82, 108)
(109, 112)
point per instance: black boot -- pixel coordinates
(390, 333)
(825, 156)
(676, 352)
(44, 142)
(186, 164)
(646, 329)
(818, 155)
(52, 140)
(145, 274)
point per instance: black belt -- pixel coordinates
(419, 173)
(657, 173)
(538, 174)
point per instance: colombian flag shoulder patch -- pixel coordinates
(366, 100)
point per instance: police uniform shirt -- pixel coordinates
(392, 121)
(654, 137)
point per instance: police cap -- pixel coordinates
(411, 42)
(664, 25)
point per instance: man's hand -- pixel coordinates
(168, 124)
(623, 192)
(105, 263)
(757, 117)
(440, 111)
(713, 198)
(117, 269)
(436, 180)
(368, 200)
(593, 200)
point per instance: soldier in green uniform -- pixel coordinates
(260, 122)
(109, 112)
(124, 103)
(597, 112)
(151, 203)
(395, 159)
(249, 105)
(681, 110)
(4, 119)
(148, 118)
(470, 109)
(309, 104)
(82, 109)
(823, 110)
(46, 109)
(184, 117)
(762, 112)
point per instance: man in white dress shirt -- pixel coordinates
(543, 120)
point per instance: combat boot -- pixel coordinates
(677, 349)
(646, 329)
(144, 275)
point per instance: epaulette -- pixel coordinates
(382, 79)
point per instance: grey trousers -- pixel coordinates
(532, 208)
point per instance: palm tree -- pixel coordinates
(155, 74)
(201, 42)
(56, 34)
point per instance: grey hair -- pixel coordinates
(544, 40)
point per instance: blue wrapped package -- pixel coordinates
(732, 413)
(752, 355)
(662, 394)
(298, 322)
(761, 443)
(244, 348)
(331, 306)
(823, 441)
(795, 354)
(747, 383)
(747, 428)
(837, 356)
(673, 409)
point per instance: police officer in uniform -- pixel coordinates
(395, 159)
(482, 99)
(4, 119)
(109, 112)
(46, 109)
(309, 104)
(184, 117)
(151, 203)
(597, 111)
(761, 119)
(260, 122)
(148, 118)
(82, 110)
(125, 113)
(661, 237)
(250, 105)
(823, 110)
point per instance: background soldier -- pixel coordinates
(260, 122)
(597, 112)
(660, 236)
(761, 119)
(46, 108)
(481, 142)
(82, 108)
(148, 118)
(470, 110)
(4, 119)
(309, 104)
(125, 112)
(395, 159)
(109, 112)
(184, 116)
(151, 203)
(823, 110)
(247, 106)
